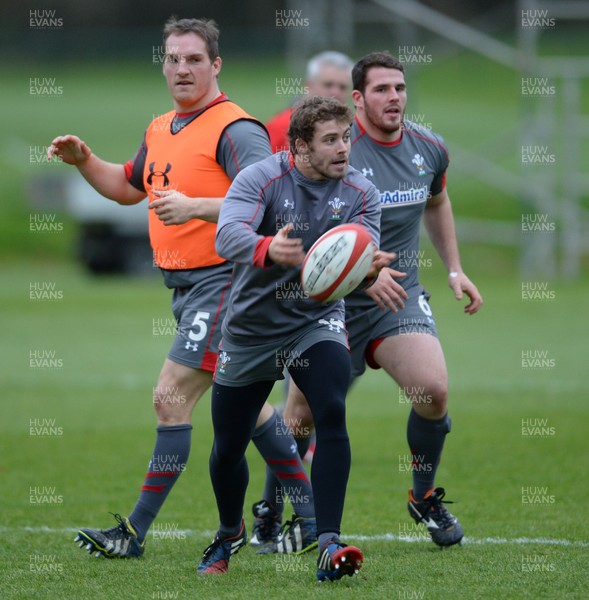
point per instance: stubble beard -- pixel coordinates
(379, 122)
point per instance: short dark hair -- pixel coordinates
(374, 59)
(312, 110)
(205, 28)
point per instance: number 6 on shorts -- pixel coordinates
(424, 305)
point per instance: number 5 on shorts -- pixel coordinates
(200, 322)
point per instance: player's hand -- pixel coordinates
(70, 149)
(172, 207)
(381, 260)
(386, 292)
(284, 250)
(459, 283)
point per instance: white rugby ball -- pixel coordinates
(337, 262)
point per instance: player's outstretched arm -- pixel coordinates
(108, 179)
(439, 222)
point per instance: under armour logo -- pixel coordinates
(367, 172)
(333, 324)
(262, 509)
(189, 346)
(163, 174)
(288, 203)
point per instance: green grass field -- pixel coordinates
(97, 398)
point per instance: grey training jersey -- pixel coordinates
(406, 173)
(267, 301)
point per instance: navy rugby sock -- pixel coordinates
(426, 440)
(272, 486)
(276, 444)
(326, 537)
(170, 454)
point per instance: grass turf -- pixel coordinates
(106, 358)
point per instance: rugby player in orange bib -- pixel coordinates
(185, 165)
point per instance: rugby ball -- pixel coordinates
(337, 262)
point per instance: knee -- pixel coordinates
(331, 416)
(431, 400)
(297, 409)
(300, 419)
(178, 390)
(172, 406)
(226, 452)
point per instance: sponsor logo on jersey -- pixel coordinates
(419, 162)
(366, 171)
(164, 174)
(288, 203)
(413, 195)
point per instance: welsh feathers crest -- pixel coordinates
(336, 208)
(223, 359)
(419, 162)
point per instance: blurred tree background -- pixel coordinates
(97, 63)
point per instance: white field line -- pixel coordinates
(381, 537)
(468, 540)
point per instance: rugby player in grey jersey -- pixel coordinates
(313, 188)
(391, 324)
